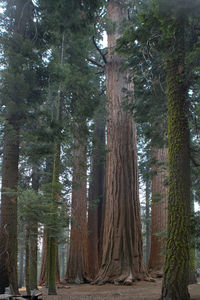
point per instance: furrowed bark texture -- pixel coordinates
(122, 259)
(77, 266)
(9, 203)
(96, 196)
(158, 210)
(177, 249)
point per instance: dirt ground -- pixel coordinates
(140, 290)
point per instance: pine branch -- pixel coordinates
(99, 50)
(194, 161)
(94, 62)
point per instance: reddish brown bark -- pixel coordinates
(96, 196)
(122, 259)
(158, 209)
(77, 266)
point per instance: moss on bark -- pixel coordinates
(177, 248)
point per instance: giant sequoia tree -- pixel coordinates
(122, 258)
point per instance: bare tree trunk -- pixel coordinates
(27, 265)
(34, 235)
(21, 265)
(148, 222)
(96, 193)
(4, 280)
(77, 266)
(158, 210)
(122, 259)
(43, 261)
(176, 268)
(57, 266)
(9, 203)
(48, 180)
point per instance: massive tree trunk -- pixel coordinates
(122, 259)
(96, 196)
(77, 266)
(9, 203)
(178, 239)
(158, 210)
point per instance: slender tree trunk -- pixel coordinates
(52, 266)
(61, 255)
(34, 235)
(21, 266)
(52, 238)
(4, 281)
(148, 222)
(27, 266)
(57, 266)
(158, 210)
(77, 266)
(96, 193)
(9, 203)
(122, 259)
(175, 283)
(43, 260)
(43, 270)
(192, 269)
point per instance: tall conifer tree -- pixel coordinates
(122, 258)
(18, 90)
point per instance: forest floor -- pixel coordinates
(140, 290)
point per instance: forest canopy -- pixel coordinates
(99, 143)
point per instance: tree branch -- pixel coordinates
(94, 62)
(99, 50)
(194, 161)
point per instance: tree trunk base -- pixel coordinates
(156, 273)
(169, 293)
(123, 279)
